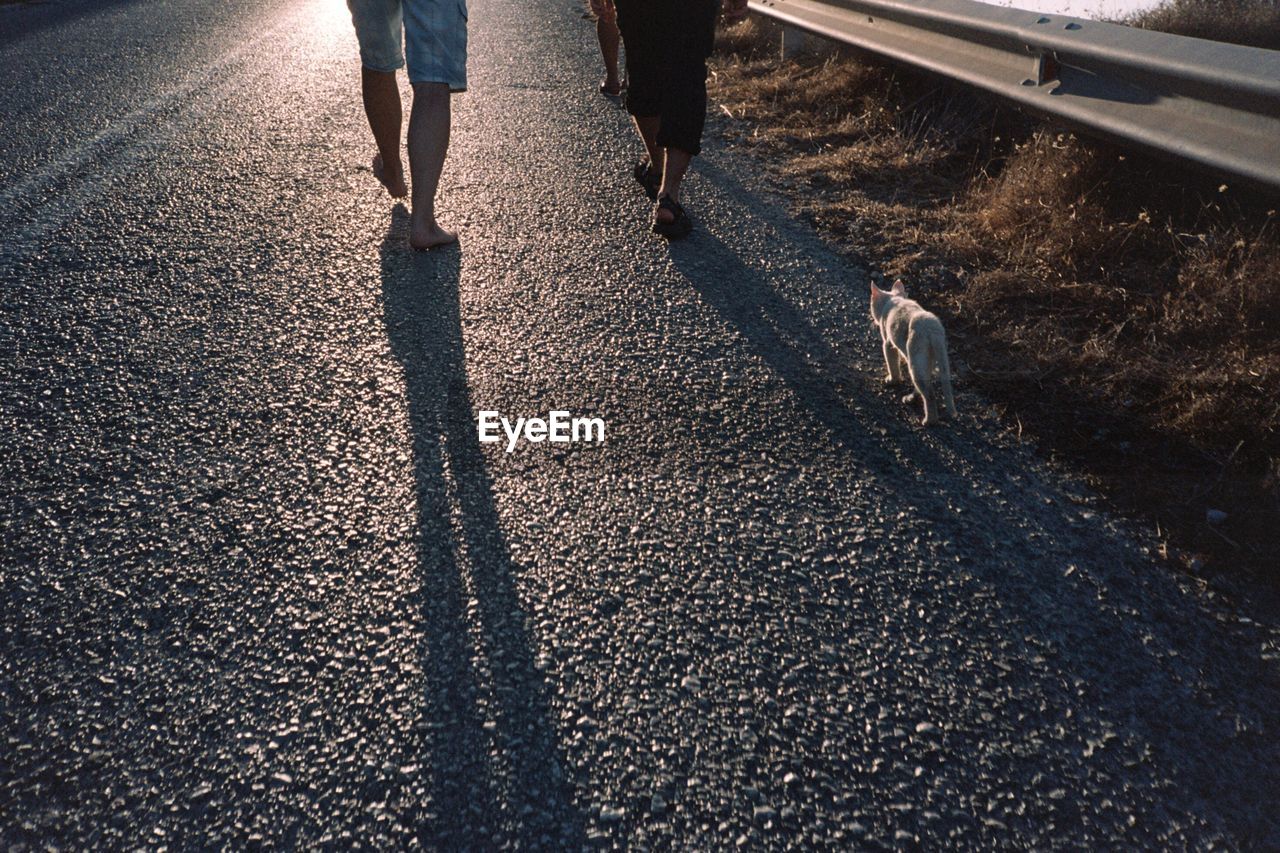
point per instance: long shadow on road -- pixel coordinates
(495, 777)
(1123, 681)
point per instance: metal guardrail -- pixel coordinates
(1212, 103)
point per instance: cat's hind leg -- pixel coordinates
(922, 379)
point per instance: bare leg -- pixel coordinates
(382, 108)
(428, 144)
(675, 165)
(648, 128)
(607, 35)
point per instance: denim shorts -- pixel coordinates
(432, 34)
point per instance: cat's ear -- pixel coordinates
(899, 289)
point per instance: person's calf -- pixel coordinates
(428, 145)
(647, 127)
(381, 96)
(675, 165)
(607, 35)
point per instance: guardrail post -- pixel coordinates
(795, 42)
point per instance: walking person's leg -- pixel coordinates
(679, 134)
(648, 127)
(643, 42)
(381, 94)
(379, 31)
(678, 36)
(673, 170)
(428, 144)
(691, 27)
(436, 46)
(608, 37)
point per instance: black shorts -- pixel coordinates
(667, 44)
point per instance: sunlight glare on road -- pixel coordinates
(332, 21)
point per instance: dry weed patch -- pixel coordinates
(1124, 310)
(1252, 22)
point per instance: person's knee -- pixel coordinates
(682, 132)
(430, 93)
(644, 94)
(375, 77)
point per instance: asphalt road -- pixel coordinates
(263, 585)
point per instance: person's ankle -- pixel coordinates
(662, 214)
(429, 235)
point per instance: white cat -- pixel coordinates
(912, 336)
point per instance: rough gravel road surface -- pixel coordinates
(262, 584)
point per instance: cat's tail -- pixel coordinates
(942, 364)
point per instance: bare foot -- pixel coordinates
(423, 237)
(395, 185)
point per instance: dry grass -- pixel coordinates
(1251, 22)
(1125, 312)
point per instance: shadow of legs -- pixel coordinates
(495, 775)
